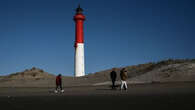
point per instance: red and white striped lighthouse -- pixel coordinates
(79, 43)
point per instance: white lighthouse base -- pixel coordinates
(79, 60)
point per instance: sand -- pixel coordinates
(147, 96)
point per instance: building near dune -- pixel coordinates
(79, 66)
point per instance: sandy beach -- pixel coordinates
(147, 96)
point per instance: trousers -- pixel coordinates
(58, 86)
(123, 83)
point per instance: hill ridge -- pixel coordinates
(169, 70)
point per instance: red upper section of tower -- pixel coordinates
(79, 19)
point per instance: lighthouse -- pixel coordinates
(79, 68)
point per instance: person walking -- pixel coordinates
(123, 75)
(113, 76)
(59, 83)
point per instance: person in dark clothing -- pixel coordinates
(113, 76)
(59, 83)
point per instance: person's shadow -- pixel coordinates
(109, 88)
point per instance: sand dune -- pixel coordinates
(159, 72)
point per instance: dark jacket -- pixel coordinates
(58, 80)
(113, 75)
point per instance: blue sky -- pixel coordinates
(40, 33)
